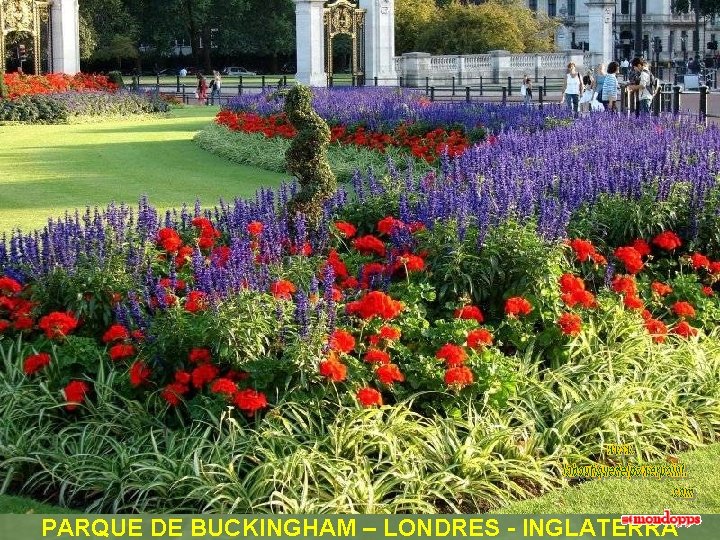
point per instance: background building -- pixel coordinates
(671, 34)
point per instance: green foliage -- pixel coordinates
(34, 110)
(513, 261)
(307, 156)
(116, 78)
(268, 153)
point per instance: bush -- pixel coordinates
(34, 110)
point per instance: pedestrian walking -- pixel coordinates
(573, 88)
(526, 90)
(201, 90)
(215, 87)
(611, 87)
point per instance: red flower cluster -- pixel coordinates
(631, 258)
(120, 351)
(53, 83)
(573, 292)
(74, 393)
(454, 355)
(35, 362)
(333, 369)
(342, 341)
(369, 397)
(667, 240)
(458, 377)
(169, 240)
(469, 313)
(683, 309)
(570, 324)
(250, 401)
(348, 230)
(283, 289)
(516, 306)
(375, 304)
(370, 245)
(376, 356)
(139, 374)
(656, 329)
(58, 324)
(585, 251)
(478, 338)
(196, 301)
(389, 374)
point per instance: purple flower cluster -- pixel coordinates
(383, 109)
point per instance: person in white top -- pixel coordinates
(624, 65)
(573, 88)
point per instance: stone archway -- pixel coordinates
(53, 27)
(378, 37)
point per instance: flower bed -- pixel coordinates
(53, 83)
(496, 288)
(61, 107)
(380, 118)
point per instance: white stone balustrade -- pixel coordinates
(418, 69)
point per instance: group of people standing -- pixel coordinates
(602, 91)
(201, 92)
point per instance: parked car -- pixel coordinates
(238, 72)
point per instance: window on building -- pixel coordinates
(671, 41)
(571, 8)
(683, 41)
(552, 8)
(532, 4)
(643, 6)
(625, 7)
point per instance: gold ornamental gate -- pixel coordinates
(22, 18)
(344, 17)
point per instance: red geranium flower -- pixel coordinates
(517, 305)
(35, 362)
(199, 355)
(470, 313)
(342, 341)
(348, 230)
(223, 386)
(249, 401)
(660, 288)
(173, 393)
(631, 258)
(684, 309)
(202, 223)
(656, 329)
(369, 397)
(388, 224)
(376, 356)
(699, 261)
(255, 228)
(458, 377)
(478, 338)
(375, 303)
(579, 296)
(9, 286)
(75, 392)
(169, 239)
(283, 289)
(667, 240)
(120, 351)
(196, 301)
(23, 323)
(642, 247)
(58, 324)
(714, 267)
(684, 329)
(139, 373)
(389, 374)
(182, 377)
(570, 324)
(369, 244)
(570, 283)
(184, 254)
(409, 263)
(584, 250)
(390, 333)
(624, 285)
(633, 302)
(4, 325)
(333, 369)
(708, 291)
(203, 374)
(453, 355)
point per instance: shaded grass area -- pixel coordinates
(637, 495)
(23, 505)
(49, 169)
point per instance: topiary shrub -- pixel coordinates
(306, 159)
(115, 77)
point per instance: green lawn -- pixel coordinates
(48, 169)
(23, 505)
(614, 496)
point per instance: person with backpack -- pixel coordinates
(646, 86)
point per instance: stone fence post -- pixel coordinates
(500, 63)
(415, 67)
